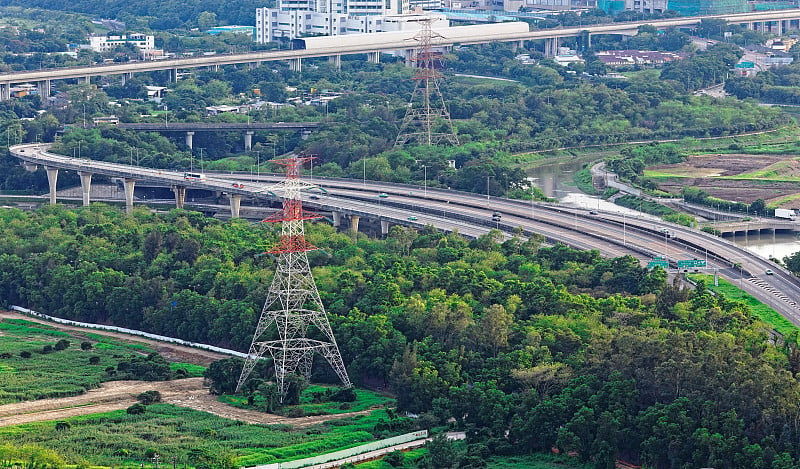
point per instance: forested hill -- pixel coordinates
(167, 15)
(526, 347)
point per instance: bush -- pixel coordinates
(712, 230)
(25, 354)
(62, 344)
(295, 412)
(149, 397)
(94, 360)
(136, 409)
(394, 459)
(47, 349)
(86, 345)
(5, 355)
(344, 395)
(62, 426)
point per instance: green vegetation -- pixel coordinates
(583, 179)
(644, 205)
(764, 312)
(122, 439)
(535, 462)
(525, 347)
(39, 362)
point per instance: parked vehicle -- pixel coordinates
(786, 213)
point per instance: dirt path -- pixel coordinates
(116, 395)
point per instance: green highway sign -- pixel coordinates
(691, 264)
(657, 263)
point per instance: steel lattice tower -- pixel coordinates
(293, 304)
(427, 113)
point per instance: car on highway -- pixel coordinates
(412, 218)
(769, 272)
(383, 195)
(592, 212)
(313, 197)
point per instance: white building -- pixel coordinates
(144, 43)
(302, 18)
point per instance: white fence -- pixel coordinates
(148, 335)
(346, 453)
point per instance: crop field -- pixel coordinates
(33, 368)
(185, 436)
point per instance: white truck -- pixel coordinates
(786, 213)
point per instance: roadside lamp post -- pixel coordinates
(487, 186)
(425, 181)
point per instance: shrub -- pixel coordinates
(136, 409)
(149, 397)
(344, 395)
(86, 345)
(47, 349)
(295, 412)
(5, 355)
(62, 426)
(94, 360)
(25, 354)
(394, 459)
(62, 344)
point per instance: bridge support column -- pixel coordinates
(189, 139)
(374, 57)
(336, 60)
(30, 167)
(52, 178)
(304, 134)
(236, 201)
(248, 140)
(551, 47)
(354, 219)
(44, 91)
(296, 65)
(86, 186)
(337, 218)
(180, 195)
(384, 227)
(5, 91)
(129, 186)
(778, 28)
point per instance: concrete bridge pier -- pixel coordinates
(129, 186)
(44, 90)
(180, 195)
(52, 178)
(385, 227)
(189, 139)
(236, 201)
(5, 91)
(354, 219)
(30, 167)
(248, 140)
(86, 186)
(336, 61)
(551, 47)
(296, 65)
(374, 57)
(337, 218)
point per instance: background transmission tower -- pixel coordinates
(293, 304)
(427, 121)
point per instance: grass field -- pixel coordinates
(311, 404)
(762, 311)
(119, 439)
(535, 461)
(59, 373)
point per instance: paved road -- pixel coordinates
(471, 214)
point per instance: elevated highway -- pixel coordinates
(471, 215)
(775, 21)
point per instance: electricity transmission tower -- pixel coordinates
(293, 305)
(427, 121)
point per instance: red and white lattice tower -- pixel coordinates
(293, 305)
(427, 121)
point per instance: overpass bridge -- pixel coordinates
(775, 21)
(612, 234)
(248, 128)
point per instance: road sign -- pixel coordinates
(658, 263)
(691, 264)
